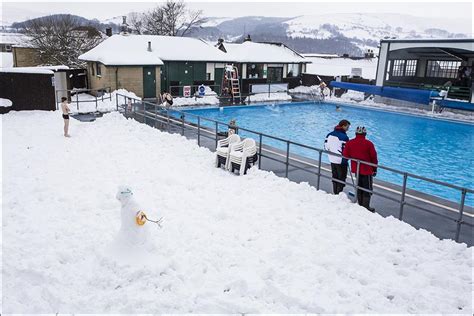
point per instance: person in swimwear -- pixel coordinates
(66, 110)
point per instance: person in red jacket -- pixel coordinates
(362, 149)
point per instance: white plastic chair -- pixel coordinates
(242, 154)
(223, 149)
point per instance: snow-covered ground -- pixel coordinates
(87, 102)
(264, 97)
(341, 66)
(228, 244)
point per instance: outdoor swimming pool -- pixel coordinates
(437, 149)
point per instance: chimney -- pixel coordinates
(124, 27)
(108, 31)
(248, 39)
(149, 46)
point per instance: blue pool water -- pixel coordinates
(437, 149)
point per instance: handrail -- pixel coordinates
(77, 101)
(214, 130)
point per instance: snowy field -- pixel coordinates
(228, 244)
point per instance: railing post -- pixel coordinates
(357, 181)
(116, 103)
(461, 210)
(96, 104)
(319, 169)
(77, 101)
(199, 131)
(217, 129)
(287, 158)
(156, 114)
(259, 150)
(402, 199)
(182, 124)
(168, 120)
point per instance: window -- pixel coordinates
(98, 70)
(404, 68)
(92, 70)
(442, 68)
(293, 70)
(254, 70)
(410, 68)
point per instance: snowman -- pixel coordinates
(133, 231)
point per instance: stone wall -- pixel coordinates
(26, 57)
(124, 77)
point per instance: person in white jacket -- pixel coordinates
(334, 143)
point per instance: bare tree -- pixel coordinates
(136, 22)
(61, 39)
(172, 18)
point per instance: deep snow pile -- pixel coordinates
(313, 90)
(264, 97)
(210, 98)
(105, 103)
(257, 243)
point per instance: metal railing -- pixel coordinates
(267, 88)
(76, 92)
(171, 119)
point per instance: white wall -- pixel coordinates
(381, 64)
(210, 69)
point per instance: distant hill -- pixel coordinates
(18, 26)
(344, 33)
(351, 33)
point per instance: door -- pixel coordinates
(149, 82)
(274, 74)
(218, 74)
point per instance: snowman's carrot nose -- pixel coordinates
(141, 219)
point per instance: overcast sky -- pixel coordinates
(21, 10)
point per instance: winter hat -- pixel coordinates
(361, 130)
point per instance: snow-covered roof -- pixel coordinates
(133, 50)
(321, 55)
(341, 66)
(28, 70)
(6, 59)
(255, 52)
(35, 70)
(17, 39)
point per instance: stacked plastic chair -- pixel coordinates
(223, 150)
(242, 156)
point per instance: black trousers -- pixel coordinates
(363, 197)
(338, 172)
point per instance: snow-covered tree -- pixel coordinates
(61, 39)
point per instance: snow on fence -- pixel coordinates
(209, 128)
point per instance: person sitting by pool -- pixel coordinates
(362, 149)
(233, 129)
(166, 99)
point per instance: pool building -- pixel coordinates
(149, 64)
(428, 64)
